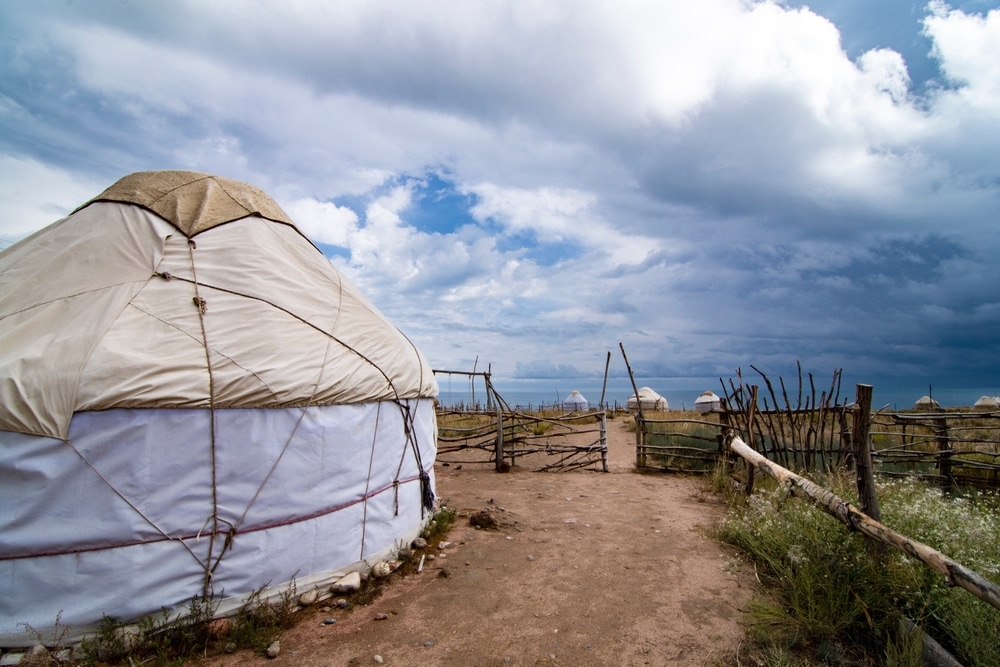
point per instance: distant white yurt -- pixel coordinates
(926, 403)
(649, 400)
(987, 403)
(194, 401)
(707, 402)
(576, 402)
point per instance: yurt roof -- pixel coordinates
(706, 397)
(646, 392)
(192, 201)
(111, 307)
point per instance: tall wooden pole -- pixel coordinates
(604, 387)
(752, 414)
(867, 495)
(640, 422)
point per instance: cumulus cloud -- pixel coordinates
(716, 183)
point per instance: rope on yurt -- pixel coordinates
(202, 306)
(134, 507)
(426, 493)
(234, 527)
(368, 481)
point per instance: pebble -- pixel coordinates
(274, 649)
(378, 659)
(419, 543)
(309, 597)
(509, 538)
(429, 642)
(443, 545)
(381, 617)
(530, 557)
(347, 584)
(381, 569)
(329, 621)
(342, 603)
(219, 627)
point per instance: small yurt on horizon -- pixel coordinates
(926, 403)
(987, 403)
(195, 402)
(648, 399)
(707, 402)
(576, 402)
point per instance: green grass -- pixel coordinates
(164, 639)
(827, 600)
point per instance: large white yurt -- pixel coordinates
(576, 402)
(194, 401)
(648, 399)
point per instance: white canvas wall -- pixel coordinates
(117, 520)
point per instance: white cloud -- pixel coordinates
(324, 222)
(33, 195)
(968, 46)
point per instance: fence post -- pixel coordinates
(863, 451)
(944, 453)
(724, 423)
(604, 440)
(499, 446)
(751, 470)
(640, 441)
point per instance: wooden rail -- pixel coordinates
(954, 573)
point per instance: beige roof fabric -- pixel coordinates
(192, 201)
(112, 307)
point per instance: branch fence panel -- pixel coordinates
(575, 440)
(952, 449)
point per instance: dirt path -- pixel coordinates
(590, 569)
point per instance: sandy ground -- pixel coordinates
(587, 568)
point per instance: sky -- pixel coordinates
(525, 185)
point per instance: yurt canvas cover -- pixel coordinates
(926, 403)
(649, 399)
(194, 401)
(707, 402)
(576, 402)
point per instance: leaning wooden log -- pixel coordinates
(954, 573)
(933, 653)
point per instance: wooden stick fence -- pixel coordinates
(954, 573)
(814, 431)
(576, 440)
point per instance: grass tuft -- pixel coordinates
(828, 597)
